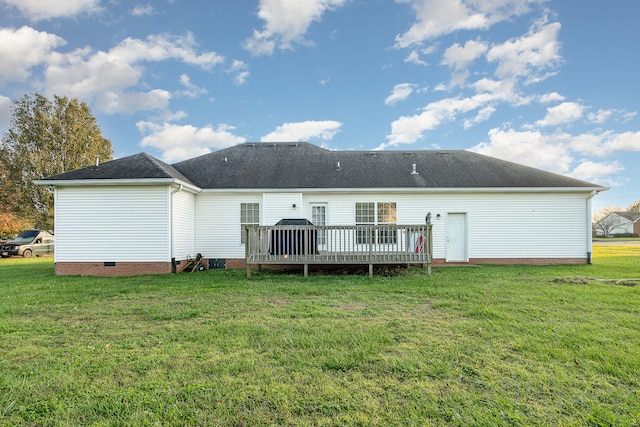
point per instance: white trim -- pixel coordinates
(104, 182)
(196, 189)
(421, 190)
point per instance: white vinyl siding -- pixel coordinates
(218, 224)
(183, 218)
(103, 224)
(535, 225)
(499, 225)
(277, 206)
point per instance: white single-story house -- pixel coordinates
(626, 223)
(139, 215)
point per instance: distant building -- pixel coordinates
(619, 223)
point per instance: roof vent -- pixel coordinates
(414, 171)
(338, 167)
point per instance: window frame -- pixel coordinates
(246, 208)
(376, 213)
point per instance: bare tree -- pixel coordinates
(606, 220)
(634, 207)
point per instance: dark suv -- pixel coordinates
(28, 243)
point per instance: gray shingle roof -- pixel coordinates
(137, 166)
(631, 216)
(303, 165)
(306, 166)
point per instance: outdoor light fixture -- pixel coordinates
(294, 206)
(438, 216)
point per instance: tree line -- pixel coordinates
(45, 137)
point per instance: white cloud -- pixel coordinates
(160, 47)
(414, 57)
(191, 90)
(409, 129)
(483, 115)
(564, 113)
(600, 116)
(400, 93)
(536, 51)
(37, 10)
(588, 144)
(143, 10)
(459, 57)
(304, 131)
(525, 59)
(531, 148)
(107, 76)
(130, 102)
(23, 49)
(594, 171)
(557, 152)
(439, 17)
(551, 97)
(626, 141)
(605, 143)
(179, 142)
(240, 70)
(286, 22)
(628, 116)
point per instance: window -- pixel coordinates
(387, 215)
(249, 215)
(365, 215)
(379, 213)
(319, 217)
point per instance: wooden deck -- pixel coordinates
(357, 244)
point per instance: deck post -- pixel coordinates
(247, 251)
(370, 270)
(306, 270)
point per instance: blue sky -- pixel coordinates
(549, 84)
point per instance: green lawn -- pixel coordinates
(488, 346)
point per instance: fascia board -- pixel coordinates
(413, 190)
(115, 182)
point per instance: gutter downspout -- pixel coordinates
(589, 226)
(173, 259)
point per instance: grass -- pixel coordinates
(487, 346)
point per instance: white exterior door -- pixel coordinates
(319, 217)
(456, 248)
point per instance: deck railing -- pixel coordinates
(345, 244)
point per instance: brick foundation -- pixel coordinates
(235, 263)
(111, 269)
(141, 268)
